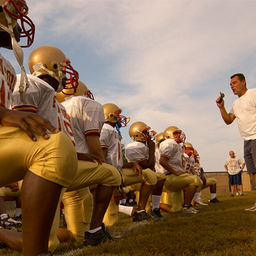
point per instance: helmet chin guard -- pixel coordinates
(18, 10)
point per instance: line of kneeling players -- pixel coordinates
(155, 172)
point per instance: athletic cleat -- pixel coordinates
(199, 203)
(252, 209)
(101, 236)
(156, 215)
(9, 223)
(237, 194)
(133, 203)
(214, 200)
(140, 216)
(241, 194)
(18, 218)
(190, 209)
(231, 195)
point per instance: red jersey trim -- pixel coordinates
(92, 132)
(165, 156)
(27, 108)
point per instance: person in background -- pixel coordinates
(234, 165)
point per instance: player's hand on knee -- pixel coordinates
(26, 121)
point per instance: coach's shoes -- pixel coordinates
(156, 215)
(190, 209)
(101, 236)
(252, 209)
(199, 203)
(214, 200)
(140, 216)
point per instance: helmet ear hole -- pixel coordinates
(55, 66)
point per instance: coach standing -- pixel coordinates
(244, 109)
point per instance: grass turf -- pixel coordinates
(221, 229)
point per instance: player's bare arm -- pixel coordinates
(227, 117)
(164, 162)
(135, 166)
(26, 121)
(93, 143)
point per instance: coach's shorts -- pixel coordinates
(54, 159)
(250, 155)
(235, 179)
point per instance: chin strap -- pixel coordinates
(18, 52)
(118, 126)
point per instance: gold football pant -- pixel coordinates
(78, 201)
(90, 173)
(6, 191)
(54, 159)
(78, 208)
(175, 185)
(209, 182)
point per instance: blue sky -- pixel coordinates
(163, 62)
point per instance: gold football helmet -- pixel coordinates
(188, 148)
(173, 132)
(52, 61)
(139, 131)
(13, 11)
(159, 138)
(188, 145)
(81, 90)
(112, 114)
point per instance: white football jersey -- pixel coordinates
(7, 80)
(189, 163)
(40, 98)
(158, 166)
(136, 152)
(197, 169)
(110, 140)
(86, 117)
(171, 150)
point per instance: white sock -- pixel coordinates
(197, 196)
(94, 230)
(155, 201)
(213, 195)
(123, 201)
(18, 212)
(126, 210)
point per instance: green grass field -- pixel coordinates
(221, 229)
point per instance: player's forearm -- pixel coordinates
(3, 112)
(166, 166)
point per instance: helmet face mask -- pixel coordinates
(139, 131)
(188, 149)
(112, 114)
(17, 11)
(173, 132)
